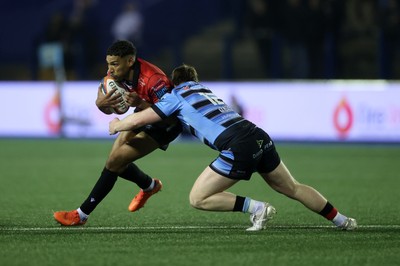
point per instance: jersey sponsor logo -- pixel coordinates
(160, 89)
(160, 93)
(257, 154)
(268, 145)
(212, 98)
(159, 85)
(225, 109)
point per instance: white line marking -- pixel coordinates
(160, 228)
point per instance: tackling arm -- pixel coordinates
(133, 121)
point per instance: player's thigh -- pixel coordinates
(280, 179)
(139, 145)
(209, 183)
(130, 147)
(122, 138)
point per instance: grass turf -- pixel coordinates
(42, 176)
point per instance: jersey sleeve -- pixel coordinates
(158, 85)
(167, 106)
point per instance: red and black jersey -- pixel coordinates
(149, 82)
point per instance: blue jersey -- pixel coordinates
(200, 110)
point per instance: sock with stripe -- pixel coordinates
(247, 205)
(332, 214)
(83, 216)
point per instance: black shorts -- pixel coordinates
(163, 133)
(253, 152)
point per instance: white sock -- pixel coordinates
(339, 219)
(82, 215)
(255, 205)
(150, 188)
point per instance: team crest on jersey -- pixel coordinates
(260, 143)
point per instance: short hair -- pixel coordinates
(122, 48)
(184, 73)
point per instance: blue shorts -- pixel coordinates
(255, 152)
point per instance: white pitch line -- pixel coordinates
(137, 228)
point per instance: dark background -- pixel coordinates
(353, 39)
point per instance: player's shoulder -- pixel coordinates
(148, 69)
(152, 76)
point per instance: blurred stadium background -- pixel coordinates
(355, 39)
(333, 61)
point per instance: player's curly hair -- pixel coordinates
(122, 48)
(184, 73)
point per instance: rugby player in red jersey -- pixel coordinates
(146, 84)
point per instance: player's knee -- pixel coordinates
(288, 189)
(291, 191)
(110, 163)
(196, 201)
(115, 162)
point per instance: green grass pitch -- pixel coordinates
(41, 176)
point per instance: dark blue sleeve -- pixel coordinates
(158, 111)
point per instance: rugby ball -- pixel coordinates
(107, 84)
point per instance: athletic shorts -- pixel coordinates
(162, 132)
(254, 152)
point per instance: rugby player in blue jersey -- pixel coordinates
(244, 149)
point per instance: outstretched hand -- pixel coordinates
(112, 126)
